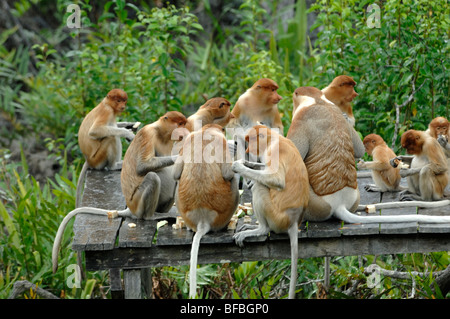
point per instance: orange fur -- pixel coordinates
(258, 104)
(100, 147)
(202, 185)
(430, 155)
(381, 168)
(341, 92)
(150, 141)
(327, 174)
(439, 126)
(290, 168)
(215, 110)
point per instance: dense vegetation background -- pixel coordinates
(169, 56)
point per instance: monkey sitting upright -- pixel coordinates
(146, 178)
(99, 136)
(208, 193)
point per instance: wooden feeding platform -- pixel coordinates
(115, 246)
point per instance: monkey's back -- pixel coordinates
(137, 150)
(92, 149)
(330, 160)
(390, 175)
(201, 187)
(295, 195)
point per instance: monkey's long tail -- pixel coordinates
(82, 210)
(80, 182)
(293, 236)
(422, 204)
(202, 229)
(342, 213)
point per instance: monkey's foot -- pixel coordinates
(372, 188)
(241, 236)
(246, 227)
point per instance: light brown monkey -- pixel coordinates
(328, 145)
(341, 92)
(146, 177)
(258, 105)
(99, 136)
(280, 190)
(207, 194)
(386, 177)
(439, 129)
(427, 177)
(306, 96)
(214, 111)
(147, 181)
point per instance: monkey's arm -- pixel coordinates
(265, 177)
(154, 164)
(374, 165)
(178, 168)
(99, 132)
(405, 172)
(443, 142)
(358, 146)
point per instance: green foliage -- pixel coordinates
(31, 216)
(165, 61)
(386, 61)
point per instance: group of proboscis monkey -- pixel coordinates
(308, 175)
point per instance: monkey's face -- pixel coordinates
(369, 146)
(258, 139)
(273, 96)
(441, 130)
(117, 99)
(371, 141)
(412, 141)
(350, 94)
(119, 105)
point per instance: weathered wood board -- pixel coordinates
(113, 244)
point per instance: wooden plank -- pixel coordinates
(366, 197)
(168, 236)
(329, 228)
(92, 232)
(139, 236)
(102, 190)
(158, 256)
(435, 228)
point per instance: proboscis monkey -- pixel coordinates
(427, 177)
(439, 129)
(146, 178)
(99, 136)
(280, 190)
(386, 177)
(214, 111)
(328, 145)
(341, 92)
(258, 104)
(207, 194)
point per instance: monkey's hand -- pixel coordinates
(442, 141)
(254, 165)
(361, 164)
(238, 166)
(129, 136)
(394, 162)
